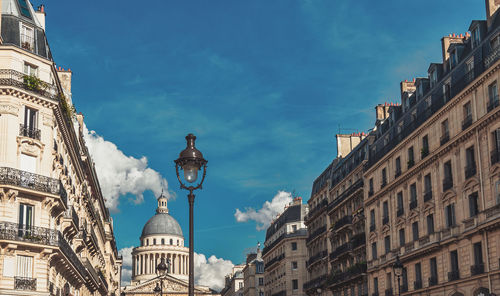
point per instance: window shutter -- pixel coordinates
(25, 266)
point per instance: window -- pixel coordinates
(402, 237)
(30, 69)
(385, 220)
(24, 266)
(430, 224)
(294, 265)
(171, 242)
(25, 219)
(448, 176)
(261, 281)
(404, 284)
(433, 270)
(476, 38)
(493, 96)
(469, 65)
(154, 241)
(162, 241)
(427, 187)
(29, 129)
(453, 59)
(471, 163)
(425, 146)
(413, 196)
(473, 205)
(295, 284)
(495, 42)
(27, 38)
(445, 131)
(454, 260)
(414, 228)
(372, 220)
(384, 177)
(375, 285)
(294, 246)
(478, 254)
(23, 5)
(387, 244)
(374, 251)
(398, 166)
(294, 228)
(433, 77)
(418, 276)
(370, 192)
(240, 285)
(411, 159)
(147, 242)
(450, 215)
(400, 210)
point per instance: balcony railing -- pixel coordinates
(342, 222)
(91, 271)
(467, 122)
(351, 272)
(300, 232)
(477, 269)
(31, 234)
(103, 280)
(71, 255)
(11, 176)
(433, 280)
(413, 204)
(493, 104)
(341, 250)
(316, 257)
(428, 195)
(353, 188)
(24, 283)
(453, 275)
(14, 78)
(492, 57)
(495, 156)
(315, 283)
(470, 170)
(417, 285)
(28, 131)
(444, 138)
(316, 233)
(447, 184)
(358, 240)
(321, 206)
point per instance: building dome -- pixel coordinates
(162, 223)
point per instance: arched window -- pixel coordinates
(154, 241)
(147, 242)
(171, 241)
(177, 242)
(162, 241)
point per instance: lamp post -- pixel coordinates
(161, 269)
(191, 161)
(398, 271)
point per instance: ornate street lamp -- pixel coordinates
(398, 271)
(191, 161)
(161, 269)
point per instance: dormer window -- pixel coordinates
(30, 69)
(23, 7)
(453, 59)
(476, 37)
(433, 77)
(27, 38)
(420, 90)
(495, 42)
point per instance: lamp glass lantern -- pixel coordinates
(398, 267)
(190, 161)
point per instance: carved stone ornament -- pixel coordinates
(9, 109)
(30, 146)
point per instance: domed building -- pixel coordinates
(161, 237)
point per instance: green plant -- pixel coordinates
(69, 111)
(34, 83)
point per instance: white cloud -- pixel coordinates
(211, 272)
(267, 213)
(120, 174)
(127, 265)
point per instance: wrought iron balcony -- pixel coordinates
(30, 132)
(24, 283)
(470, 170)
(358, 240)
(444, 138)
(321, 206)
(343, 276)
(492, 57)
(11, 176)
(315, 283)
(91, 271)
(495, 156)
(346, 220)
(467, 122)
(433, 280)
(447, 184)
(492, 104)
(10, 77)
(413, 204)
(31, 234)
(428, 195)
(274, 260)
(71, 255)
(453, 275)
(340, 250)
(316, 257)
(477, 269)
(316, 233)
(417, 285)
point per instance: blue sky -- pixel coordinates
(264, 85)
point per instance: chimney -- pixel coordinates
(446, 41)
(491, 10)
(345, 143)
(65, 78)
(382, 111)
(40, 15)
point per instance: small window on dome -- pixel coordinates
(162, 241)
(177, 242)
(171, 242)
(154, 241)
(147, 242)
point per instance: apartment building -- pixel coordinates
(432, 181)
(253, 274)
(56, 234)
(285, 252)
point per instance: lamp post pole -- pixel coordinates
(398, 271)
(161, 269)
(191, 161)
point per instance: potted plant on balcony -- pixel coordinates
(26, 45)
(34, 83)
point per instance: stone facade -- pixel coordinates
(56, 234)
(285, 252)
(253, 274)
(432, 182)
(234, 282)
